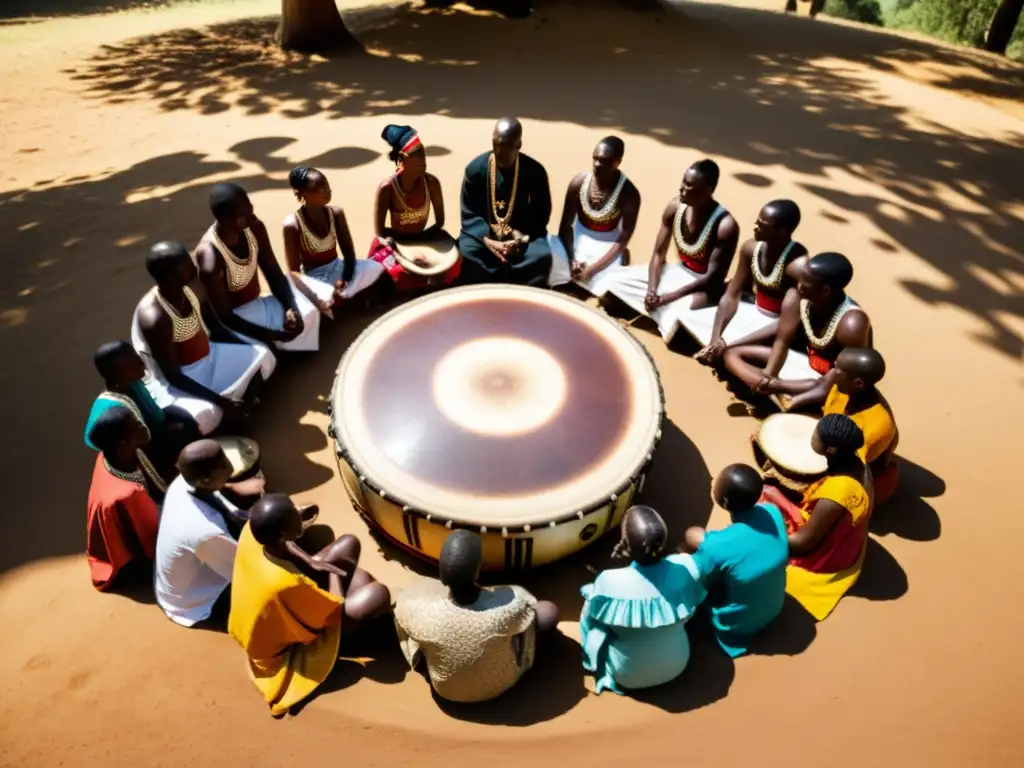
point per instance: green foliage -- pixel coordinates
(864, 11)
(957, 21)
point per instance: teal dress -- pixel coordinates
(744, 570)
(152, 414)
(633, 624)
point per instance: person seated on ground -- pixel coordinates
(232, 253)
(829, 320)
(401, 211)
(828, 529)
(598, 221)
(477, 641)
(705, 236)
(195, 547)
(763, 270)
(310, 255)
(198, 365)
(743, 566)
(633, 623)
(170, 429)
(121, 524)
(855, 394)
(287, 606)
(506, 206)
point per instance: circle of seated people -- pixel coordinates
(204, 341)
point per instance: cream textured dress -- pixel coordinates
(473, 652)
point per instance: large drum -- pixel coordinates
(514, 412)
(782, 449)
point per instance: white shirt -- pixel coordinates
(195, 555)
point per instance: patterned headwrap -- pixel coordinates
(402, 139)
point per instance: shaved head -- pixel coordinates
(508, 129)
(275, 518)
(204, 465)
(862, 363)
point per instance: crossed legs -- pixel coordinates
(365, 597)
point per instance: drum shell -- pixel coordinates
(423, 535)
(772, 472)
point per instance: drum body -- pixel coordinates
(244, 455)
(442, 255)
(782, 450)
(517, 413)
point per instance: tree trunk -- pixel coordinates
(1003, 23)
(313, 26)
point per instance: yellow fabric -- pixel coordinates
(819, 593)
(877, 424)
(288, 626)
(844, 491)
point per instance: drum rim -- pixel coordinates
(428, 271)
(636, 476)
(778, 463)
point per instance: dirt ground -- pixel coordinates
(905, 155)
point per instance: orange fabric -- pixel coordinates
(877, 423)
(121, 524)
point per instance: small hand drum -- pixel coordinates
(782, 450)
(439, 255)
(514, 412)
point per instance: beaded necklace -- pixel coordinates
(183, 328)
(408, 215)
(774, 278)
(132, 477)
(312, 241)
(144, 462)
(695, 251)
(240, 271)
(610, 209)
(820, 342)
(501, 223)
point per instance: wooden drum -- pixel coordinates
(515, 412)
(782, 449)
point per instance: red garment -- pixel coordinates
(192, 350)
(887, 481)
(822, 360)
(248, 293)
(694, 265)
(121, 524)
(603, 226)
(768, 301)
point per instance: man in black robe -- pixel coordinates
(506, 205)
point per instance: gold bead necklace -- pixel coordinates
(501, 225)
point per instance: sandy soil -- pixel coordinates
(904, 155)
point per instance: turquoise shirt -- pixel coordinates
(743, 567)
(633, 623)
(152, 414)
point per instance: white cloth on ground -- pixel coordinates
(195, 555)
(630, 285)
(267, 312)
(227, 370)
(322, 279)
(588, 246)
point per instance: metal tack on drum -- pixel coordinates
(504, 354)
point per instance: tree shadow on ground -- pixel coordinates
(73, 258)
(952, 198)
(29, 10)
(908, 514)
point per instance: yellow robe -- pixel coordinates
(288, 626)
(877, 424)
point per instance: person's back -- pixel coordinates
(743, 566)
(194, 556)
(474, 652)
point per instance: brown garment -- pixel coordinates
(474, 652)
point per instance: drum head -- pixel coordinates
(785, 439)
(497, 406)
(438, 255)
(242, 452)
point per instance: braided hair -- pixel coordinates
(840, 436)
(299, 177)
(644, 536)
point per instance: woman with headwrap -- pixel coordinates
(415, 255)
(633, 624)
(312, 236)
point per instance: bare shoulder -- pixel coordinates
(385, 186)
(727, 227)
(748, 248)
(149, 312)
(577, 181)
(671, 209)
(797, 251)
(258, 227)
(206, 256)
(854, 328)
(291, 221)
